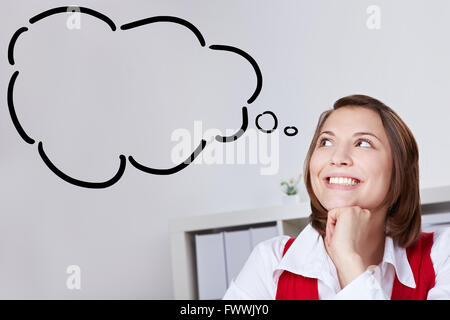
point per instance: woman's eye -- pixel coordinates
(364, 144)
(325, 142)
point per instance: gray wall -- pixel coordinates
(92, 94)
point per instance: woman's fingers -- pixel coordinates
(347, 228)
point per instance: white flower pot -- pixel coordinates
(290, 199)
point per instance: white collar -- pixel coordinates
(307, 257)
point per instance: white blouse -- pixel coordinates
(307, 256)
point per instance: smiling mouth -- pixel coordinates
(342, 183)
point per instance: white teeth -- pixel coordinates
(343, 181)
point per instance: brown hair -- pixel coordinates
(403, 219)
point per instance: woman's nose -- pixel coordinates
(341, 158)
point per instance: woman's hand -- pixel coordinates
(349, 240)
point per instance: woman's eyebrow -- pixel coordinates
(327, 132)
(366, 133)
(331, 133)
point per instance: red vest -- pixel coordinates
(293, 286)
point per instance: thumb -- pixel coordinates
(331, 224)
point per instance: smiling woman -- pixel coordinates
(363, 137)
(364, 240)
(363, 140)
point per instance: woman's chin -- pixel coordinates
(339, 203)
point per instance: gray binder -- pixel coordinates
(211, 272)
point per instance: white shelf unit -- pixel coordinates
(289, 219)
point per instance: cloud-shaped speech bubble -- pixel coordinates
(289, 131)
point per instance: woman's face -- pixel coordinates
(352, 161)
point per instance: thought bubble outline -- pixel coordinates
(124, 27)
(275, 120)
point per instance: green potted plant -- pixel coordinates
(290, 189)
